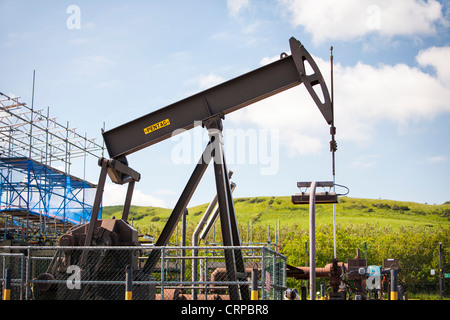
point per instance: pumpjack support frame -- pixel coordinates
(209, 107)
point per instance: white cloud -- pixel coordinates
(364, 96)
(398, 93)
(115, 195)
(437, 57)
(294, 114)
(351, 19)
(437, 159)
(251, 28)
(298, 143)
(267, 60)
(209, 80)
(236, 6)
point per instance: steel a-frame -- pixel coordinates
(209, 107)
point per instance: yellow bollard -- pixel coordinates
(394, 284)
(254, 295)
(7, 294)
(7, 287)
(322, 292)
(129, 283)
(394, 295)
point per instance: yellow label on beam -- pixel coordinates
(157, 126)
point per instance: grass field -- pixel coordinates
(269, 210)
(408, 231)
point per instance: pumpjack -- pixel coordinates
(209, 108)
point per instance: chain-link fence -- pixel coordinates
(153, 273)
(15, 261)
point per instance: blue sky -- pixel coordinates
(113, 61)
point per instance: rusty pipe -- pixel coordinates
(324, 272)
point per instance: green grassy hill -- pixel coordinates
(268, 210)
(381, 229)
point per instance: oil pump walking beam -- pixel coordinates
(222, 99)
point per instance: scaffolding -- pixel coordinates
(39, 197)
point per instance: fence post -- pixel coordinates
(306, 253)
(128, 282)
(322, 292)
(23, 266)
(254, 295)
(312, 242)
(7, 284)
(274, 275)
(303, 294)
(28, 276)
(162, 272)
(441, 274)
(263, 273)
